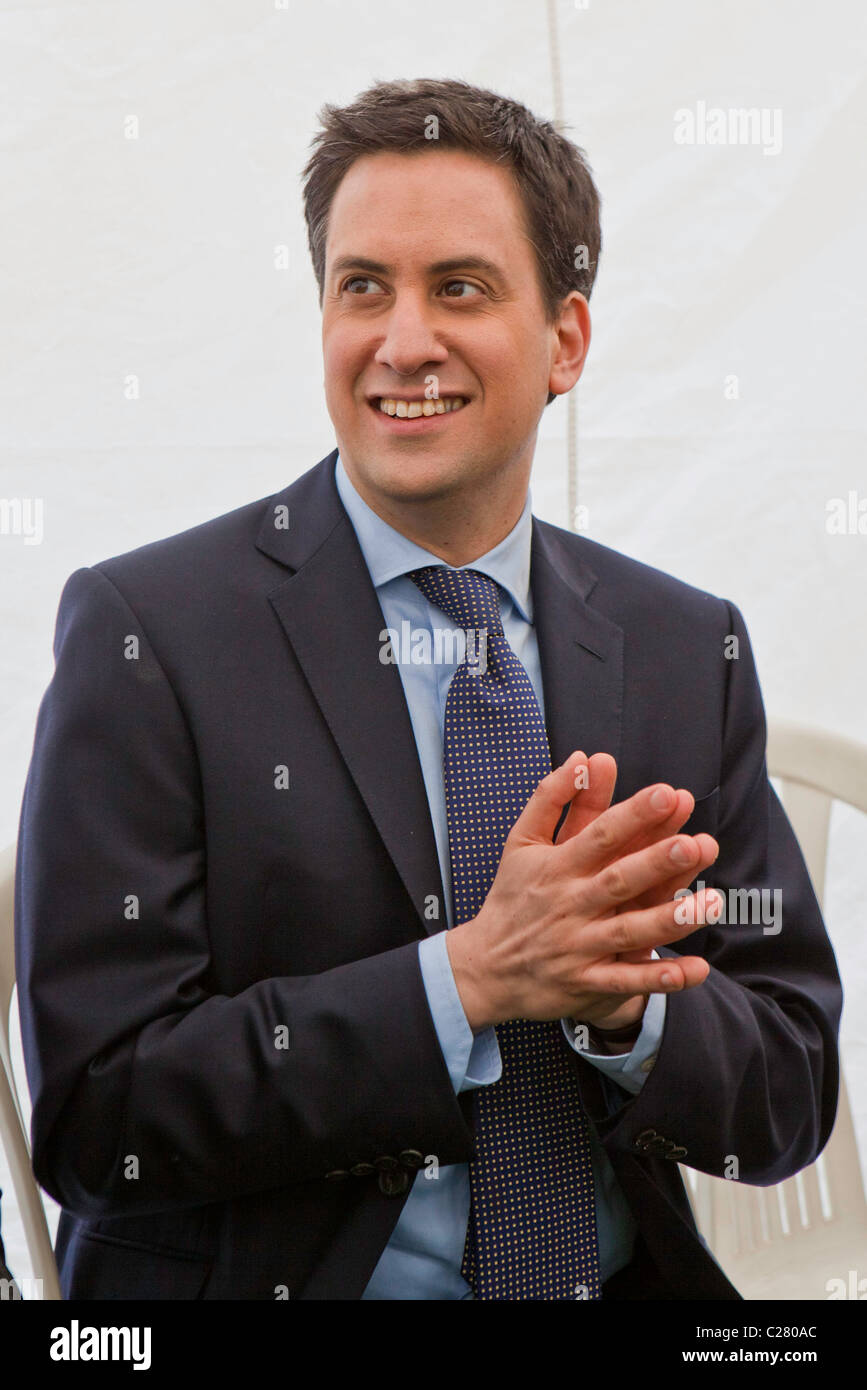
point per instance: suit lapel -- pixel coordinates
(330, 613)
(580, 650)
(331, 616)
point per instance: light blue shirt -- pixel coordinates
(423, 1258)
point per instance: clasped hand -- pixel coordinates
(570, 923)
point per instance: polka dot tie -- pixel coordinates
(532, 1227)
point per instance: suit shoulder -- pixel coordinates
(629, 585)
(221, 556)
(209, 557)
(195, 543)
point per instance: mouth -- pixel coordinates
(403, 416)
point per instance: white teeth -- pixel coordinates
(411, 410)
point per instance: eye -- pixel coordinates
(357, 280)
(468, 283)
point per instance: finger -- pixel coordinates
(639, 929)
(650, 835)
(605, 839)
(633, 874)
(666, 976)
(666, 890)
(590, 800)
(538, 820)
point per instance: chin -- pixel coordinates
(410, 486)
(406, 473)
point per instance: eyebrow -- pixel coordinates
(446, 267)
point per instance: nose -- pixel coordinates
(410, 341)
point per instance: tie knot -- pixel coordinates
(470, 598)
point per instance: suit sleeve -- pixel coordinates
(628, 1070)
(748, 1067)
(150, 1092)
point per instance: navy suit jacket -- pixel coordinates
(225, 834)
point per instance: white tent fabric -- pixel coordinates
(153, 234)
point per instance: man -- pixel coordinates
(263, 786)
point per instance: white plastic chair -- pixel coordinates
(792, 1240)
(13, 1130)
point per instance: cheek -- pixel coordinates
(343, 357)
(512, 386)
(512, 366)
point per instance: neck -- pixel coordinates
(458, 527)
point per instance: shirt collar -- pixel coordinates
(390, 554)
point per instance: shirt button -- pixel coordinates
(647, 1064)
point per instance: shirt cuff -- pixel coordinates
(471, 1061)
(630, 1069)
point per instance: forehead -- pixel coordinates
(390, 206)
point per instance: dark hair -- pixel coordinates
(560, 199)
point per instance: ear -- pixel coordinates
(570, 343)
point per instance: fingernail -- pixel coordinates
(679, 852)
(660, 799)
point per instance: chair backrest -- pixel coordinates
(793, 1239)
(13, 1130)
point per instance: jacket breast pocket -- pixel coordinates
(704, 815)
(105, 1267)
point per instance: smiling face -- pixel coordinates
(431, 290)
